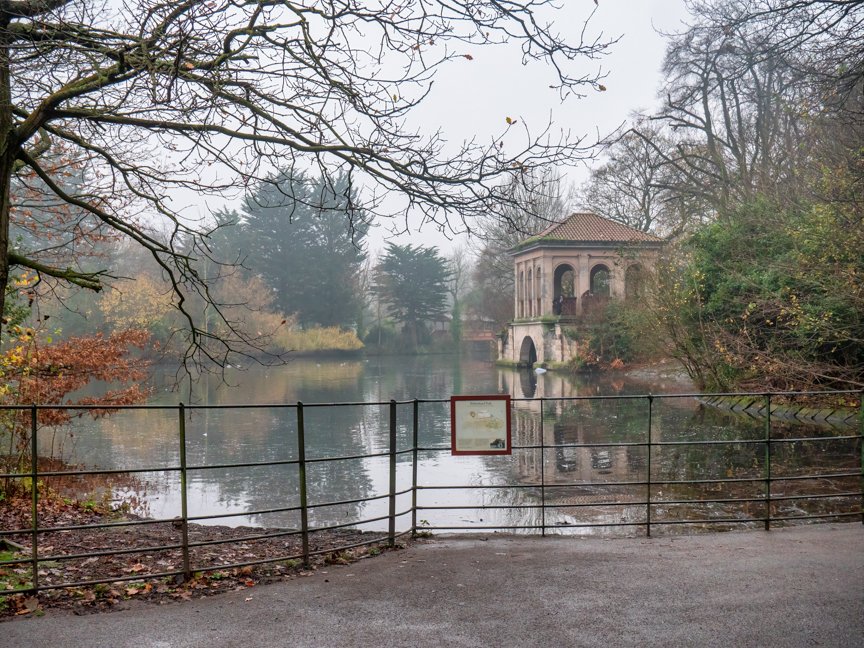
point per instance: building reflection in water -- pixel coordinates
(579, 484)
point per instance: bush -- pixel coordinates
(383, 334)
(772, 298)
(619, 332)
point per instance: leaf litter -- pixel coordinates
(145, 570)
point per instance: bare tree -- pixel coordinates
(734, 113)
(824, 41)
(537, 203)
(825, 36)
(145, 97)
(459, 263)
(630, 186)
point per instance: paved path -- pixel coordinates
(794, 587)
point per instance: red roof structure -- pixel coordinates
(585, 227)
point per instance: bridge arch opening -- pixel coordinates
(527, 352)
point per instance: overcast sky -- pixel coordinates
(474, 99)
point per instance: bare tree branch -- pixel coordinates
(151, 96)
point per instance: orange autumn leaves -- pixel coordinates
(34, 372)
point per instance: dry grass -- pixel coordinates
(331, 338)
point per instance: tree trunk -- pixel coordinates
(8, 149)
(414, 337)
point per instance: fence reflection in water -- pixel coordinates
(579, 465)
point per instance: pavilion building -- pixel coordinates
(563, 274)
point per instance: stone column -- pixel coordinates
(584, 282)
(538, 289)
(548, 289)
(616, 280)
(516, 290)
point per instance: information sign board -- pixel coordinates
(480, 425)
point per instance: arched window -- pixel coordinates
(528, 296)
(564, 286)
(600, 281)
(564, 281)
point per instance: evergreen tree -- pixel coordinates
(305, 238)
(413, 281)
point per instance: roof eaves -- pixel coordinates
(528, 245)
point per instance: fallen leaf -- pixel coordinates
(28, 605)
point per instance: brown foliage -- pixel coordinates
(54, 371)
(51, 374)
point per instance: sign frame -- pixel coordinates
(463, 434)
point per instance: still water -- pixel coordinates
(573, 478)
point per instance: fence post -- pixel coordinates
(415, 437)
(542, 475)
(184, 504)
(391, 531)
(301, 469)
(34, 495)
(861, 442)
(648, 462)
(768, 463)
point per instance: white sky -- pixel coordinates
(474, 99)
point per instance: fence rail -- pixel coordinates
(640, 501)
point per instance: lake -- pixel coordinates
(580, 480)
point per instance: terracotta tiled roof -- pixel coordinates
(591, 227)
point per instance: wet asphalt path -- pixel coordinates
(794, 587)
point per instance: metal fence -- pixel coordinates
(651, 492)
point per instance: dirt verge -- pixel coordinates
(143, 568)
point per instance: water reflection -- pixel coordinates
(593, 459)
(565, 453)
